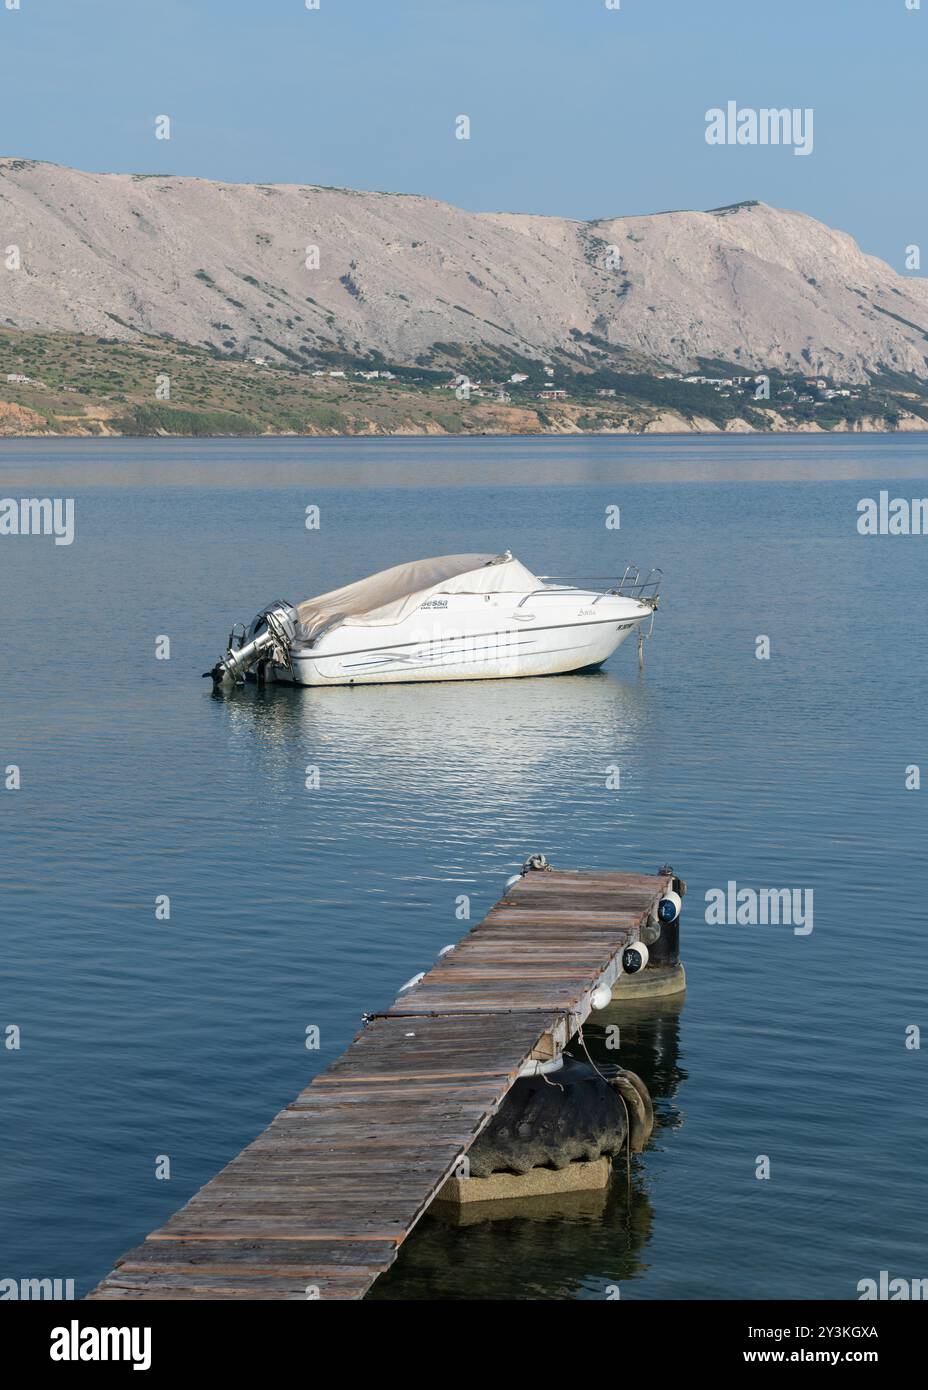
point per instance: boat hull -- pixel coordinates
(552, 644)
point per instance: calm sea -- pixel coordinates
(143, 1037)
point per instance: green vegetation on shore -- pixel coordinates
(76, 384)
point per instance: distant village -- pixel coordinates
(810, 390)
(817, 389)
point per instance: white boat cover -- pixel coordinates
(391, 595)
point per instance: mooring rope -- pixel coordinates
(628, 1121)
(558, 1084)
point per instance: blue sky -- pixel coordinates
(575, 109)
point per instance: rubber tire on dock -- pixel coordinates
(640, 1110)
(573, 1115)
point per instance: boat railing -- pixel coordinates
(631, 585)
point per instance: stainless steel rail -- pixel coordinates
(631, 585)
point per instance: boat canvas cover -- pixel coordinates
(391, 595)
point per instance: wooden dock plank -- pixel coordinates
(318, 1204)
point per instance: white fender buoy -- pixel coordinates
(601, 997)
(414, 981)
(511, 883)
(635, 958)
(668, 909)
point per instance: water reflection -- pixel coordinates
(649, 1044)
(530, 462)
(490, 743)
(575, 1245)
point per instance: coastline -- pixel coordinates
(667, 424)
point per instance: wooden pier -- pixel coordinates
(319, 1204)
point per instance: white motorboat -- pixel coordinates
(451, 618)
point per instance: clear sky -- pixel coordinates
(575, 108)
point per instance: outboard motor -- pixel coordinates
(269, 638)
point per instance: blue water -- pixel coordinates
(292, 907)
